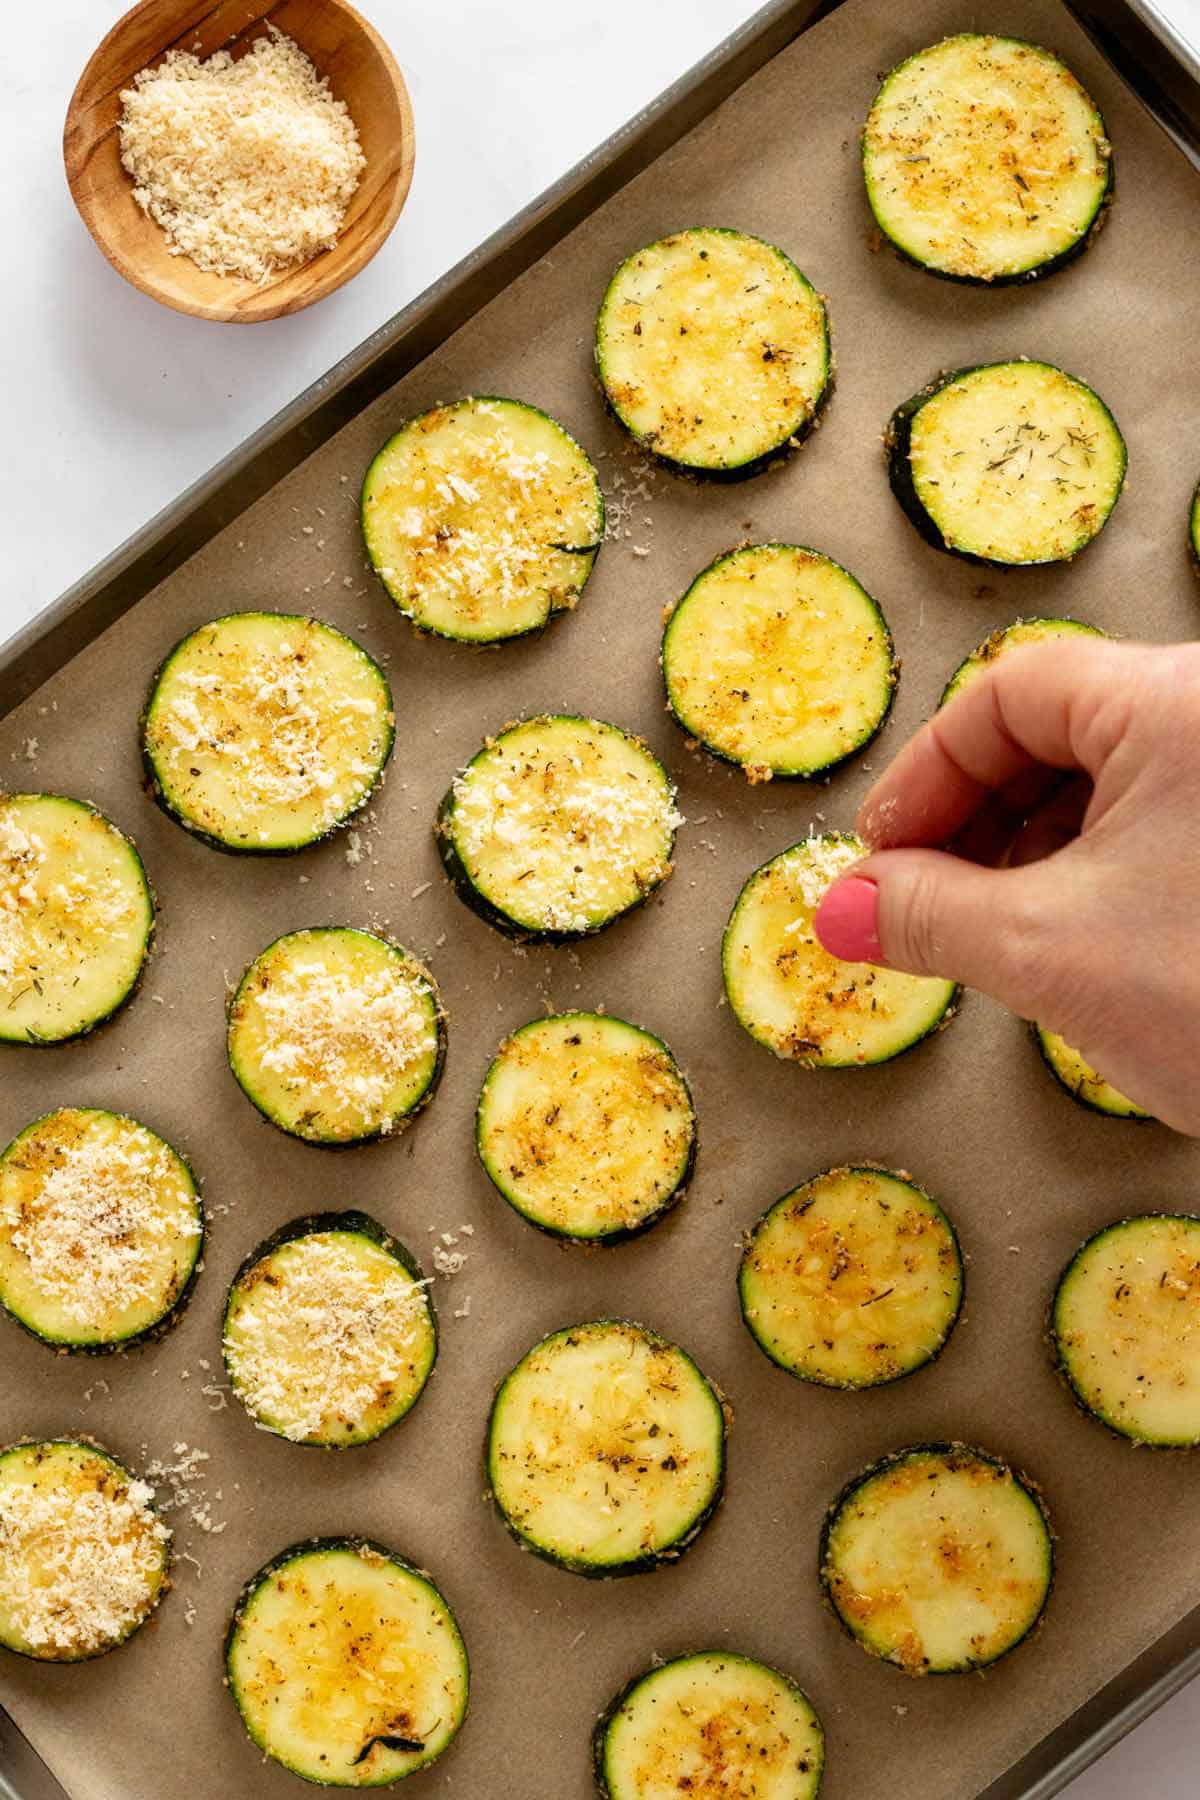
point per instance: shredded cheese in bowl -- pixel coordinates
(248, 165)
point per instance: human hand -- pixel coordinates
(1039, 839)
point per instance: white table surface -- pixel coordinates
(114, 404)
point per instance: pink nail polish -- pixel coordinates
(847, 920)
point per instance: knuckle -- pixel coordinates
(912, 936)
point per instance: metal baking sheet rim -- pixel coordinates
(1160, 67)
(1180, 47)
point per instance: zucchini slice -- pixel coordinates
(1081, 1080)
(710, 1726)
(853, 1279)
(265, 731)
(586, 1126)
(101, 1230)
(791, 995)
(1194, 527)
(606, 1449)
(1010, 463)
(336, 1035)
(777, 660)
(938, 1559)
(83, 1553)
(1011, 637)
(986, 161)
(76, 918)
(1125, 1325)
(329, 1334)
(713, 350)
(346, 1664)
(557, 827)
(482, 519)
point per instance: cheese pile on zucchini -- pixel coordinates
(1012, 463)
(558, 826)
(985, 160)
(791, 995)
(264, 731)
(606, 1449)
(713, 350)
(336, 1035)
(346, 1664)
(76, 916)
(710, 1726)
(938, 1559)
(1011, 637)
(586, 1126)
(1125, 1324)
(101, 1230)
(482, 519)
(329, 1333)
(1081, 1080)
(83, 1554)
(777, 660)
(853, 1279)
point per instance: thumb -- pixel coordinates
(926, 912)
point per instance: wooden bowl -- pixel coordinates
(343, 48)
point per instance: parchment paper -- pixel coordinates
(1024, 1173)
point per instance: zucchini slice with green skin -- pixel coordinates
(265, 731)
(1012, 637)
(778, 661)
(852, 1280)
(482, 519)
(712, 1725)
(713, 350)
(1194, 527)
(1081, 1080)
(606, 1449)
(84, 1556)
(76, 918)
(986, 161)
(346, 1664)
(938, 1559)
(336, 1035)
(1013, 464)
(586, 1126)
(329, 1333)
(1125, 1326)
(558, 827)
(797, 1000)
(101, 1229)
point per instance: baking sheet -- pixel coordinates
(1023, 1172)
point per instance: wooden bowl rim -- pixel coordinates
(274, 305)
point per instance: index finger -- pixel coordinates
(1060, 704)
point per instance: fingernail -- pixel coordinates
(847, 920)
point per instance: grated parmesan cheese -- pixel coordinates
(97, 1208)
(623, 497)
(479, 517)
(65, 904)
(283, 733)
(81, 1556)
(354, 1034)
(320, 1343)
(184, 1479)
(248, 165)
(527, 814)
(22, 856)
(815, 865)
(448, 1262)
